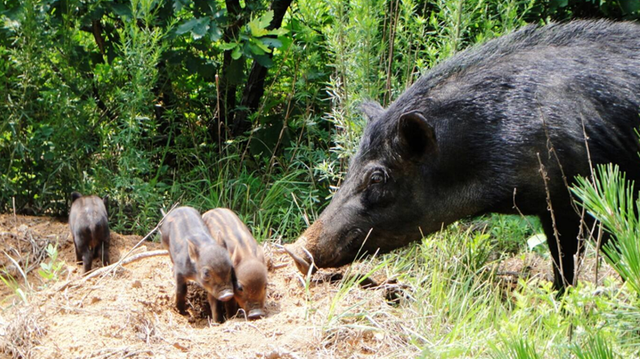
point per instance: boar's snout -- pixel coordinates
(301, 257)
(326, 246)
(314, 250)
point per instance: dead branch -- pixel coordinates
(134, 258)
(545, 178)
(164, 215)
(124, 260)
(99, 271)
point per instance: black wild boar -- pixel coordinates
(471, 136)
(248, 261)
(197, 257)
(89, 227)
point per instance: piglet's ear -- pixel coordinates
(372, 110)
(220, 240)
(415, 137)
(194, 254)
(105, 200)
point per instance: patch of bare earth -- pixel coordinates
(130, 311)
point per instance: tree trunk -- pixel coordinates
(254, 88)
(227, 100)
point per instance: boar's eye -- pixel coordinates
(240, 288)
(377, 177)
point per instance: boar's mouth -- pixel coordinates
(301, 258)
(309, 256)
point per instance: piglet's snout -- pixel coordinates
(225, 296)
(256, 314)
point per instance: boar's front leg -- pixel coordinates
(562, 249)
(181, 294)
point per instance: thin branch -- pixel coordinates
(545, 178)
(124, 260)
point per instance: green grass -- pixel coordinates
(454, 305)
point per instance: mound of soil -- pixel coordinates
(130, 312)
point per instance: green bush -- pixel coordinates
(160, 102)
(612, 200)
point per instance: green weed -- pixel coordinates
(12, 283)
(50, 271)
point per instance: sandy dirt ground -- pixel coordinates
(130, 312)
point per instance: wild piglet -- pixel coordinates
(197, 257)
(247, 256)
(89, 228)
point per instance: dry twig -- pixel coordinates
(103, 270)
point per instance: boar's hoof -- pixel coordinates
(302, 264)
(394, 292)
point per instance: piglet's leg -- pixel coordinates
(181, 293)
(78, 252)
(87, 257)
(216, 311)
(103, 253)
(231, 308)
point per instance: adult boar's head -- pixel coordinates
(390, 197)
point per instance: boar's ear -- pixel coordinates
(193, 251)
(414, 137)
(105, 200)
(74, 196)
(372, 110)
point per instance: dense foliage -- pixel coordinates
(248, 105)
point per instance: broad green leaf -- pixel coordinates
(236, 54)
(258, 26)
(286, 41)
(265, 20)
(226, 46)
(220, 16)
(271, 42)
(263, 60)
(278, 32)
(186, 26)
(201, 28)
(256, 31)
(215, 33)
(261, 45)
(255, 50)
(121, 10)
(180, 4)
